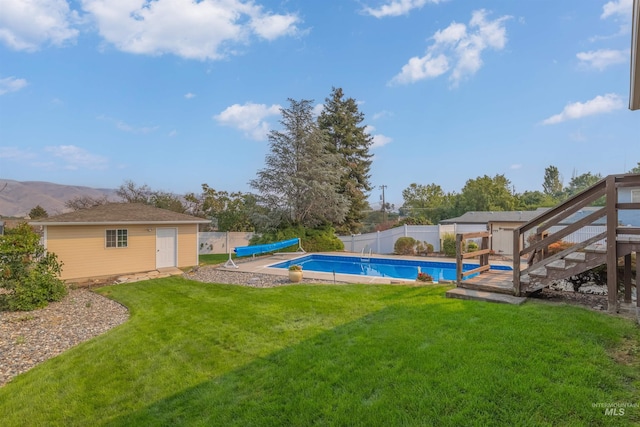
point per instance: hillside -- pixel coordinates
(19, 197)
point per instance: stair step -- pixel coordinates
(576, 257)
(538, 272)
(470, 294)
(596, 248)
(560, 265)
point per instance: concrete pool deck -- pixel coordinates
(261, 265)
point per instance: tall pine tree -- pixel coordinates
(299, 183)
(342, 120)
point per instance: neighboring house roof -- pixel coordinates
(485, 217)
(120, 213)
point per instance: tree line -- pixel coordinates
(429, 204)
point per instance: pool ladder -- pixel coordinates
(363, 258)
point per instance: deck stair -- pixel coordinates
(532, 241)
(536, 266)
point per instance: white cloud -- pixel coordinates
(456, 49)
(422, 68)
(515, 166)
(602, 58)
(382, 114)
(205, 29)
(125, 127)
(28, 24)
(379, 140)
(249, 118)
(598, 105)
(11, 84)
(14, 153)
(397, 7)
(189, 95)
(270, 27)
(317, 110)
(619, 8)
(77, 158)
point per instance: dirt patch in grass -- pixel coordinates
(627, 353)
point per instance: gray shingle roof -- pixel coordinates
(484, 217)
(120, 213)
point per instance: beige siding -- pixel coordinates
(83, 250)
(187, 245)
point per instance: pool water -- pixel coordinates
(379, 267)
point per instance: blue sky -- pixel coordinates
(176, 93)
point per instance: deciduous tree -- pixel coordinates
(426, 201)
(85, 202)
(487, 194)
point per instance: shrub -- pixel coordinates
(424, 248)
(424, 277)
(28, 273)
(449, 244)
(405, 246)
(322, 239)
(560, 246)
(472, 246)
(295, 267)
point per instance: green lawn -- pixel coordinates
(213, 259)
(202, 354)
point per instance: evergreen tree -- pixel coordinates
(38, 212)
(342, 120)
(300, 181)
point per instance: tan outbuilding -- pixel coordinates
(120, 238)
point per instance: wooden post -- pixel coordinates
(627, 278)
(459, 259)
(612, 255)
(484, 259)
(516, 262)
(638, 284)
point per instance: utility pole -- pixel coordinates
(384, 206)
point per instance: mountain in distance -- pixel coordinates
(17, 198)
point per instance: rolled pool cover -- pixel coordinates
(267, 247)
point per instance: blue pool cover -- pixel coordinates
(268, 247)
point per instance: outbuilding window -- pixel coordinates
(635, 196)
(116, 238)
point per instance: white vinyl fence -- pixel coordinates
(222, 242)
(382, 242)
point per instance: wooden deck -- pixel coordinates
(498, 281)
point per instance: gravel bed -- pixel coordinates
(213, 274)
(29, 338)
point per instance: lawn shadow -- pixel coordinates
(475, 364)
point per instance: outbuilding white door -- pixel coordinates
(502, 240)
(166, 247)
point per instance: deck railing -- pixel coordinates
(536, 249)
(482, 253)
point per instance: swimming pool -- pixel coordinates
(379, 267)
